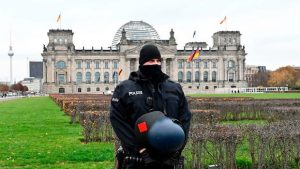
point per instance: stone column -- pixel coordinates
(44, 71)
(193, 72)
(53, 79)
(209, 64)
(225, 69)
(83, 66)
(184, 71)
(127, 69)
(69, 70)
(174, 69)
(101, 66)
(238, 70)
(164, 65)
(136, 64)
(92, 65)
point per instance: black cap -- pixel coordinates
(148, 52)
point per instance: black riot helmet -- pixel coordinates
(159, 133)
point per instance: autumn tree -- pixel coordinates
(17, 87)
(261, 79)
(25, 88)
(4, 88)
(283, 76)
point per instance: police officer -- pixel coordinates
(147, 90)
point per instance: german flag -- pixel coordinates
(194, 55)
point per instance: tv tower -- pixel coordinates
(10, 54)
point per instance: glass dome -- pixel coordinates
(135, 30)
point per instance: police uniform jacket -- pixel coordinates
(137, 96)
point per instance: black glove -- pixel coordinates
(147, 159)
(173, 158)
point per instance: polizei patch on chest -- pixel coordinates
(135, 93)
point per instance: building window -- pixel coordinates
(188, 65)
(88, 77)
(115, 65)
(78, 77)
(214, 64)
(79, 90)
(97, 89)
(205, 76)
(205, 64)
(206, 87)
(61, 65)
(78, 65)
(106, 77)
(180, 76)
(214, 76)
(197, 64)
(197, 76)
(231, 64)
(188, 76)
(88, 65)
(230, 77)
(61, 78)
(97, 77)
(88, 89)
(97, 65)
(180, 64)
(106, 64)
(61, 90)
(115, 77)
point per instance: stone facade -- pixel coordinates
(70, 70)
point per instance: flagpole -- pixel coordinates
(226, 23)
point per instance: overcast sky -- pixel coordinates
(269, 28)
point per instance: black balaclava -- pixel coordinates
(147, 53)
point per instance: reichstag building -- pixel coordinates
(70, 70)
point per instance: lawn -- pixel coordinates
(254, 95)
(36, 134)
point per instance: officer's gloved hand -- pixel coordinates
(173, 158)
(147, 159)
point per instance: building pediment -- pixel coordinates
(163, 50)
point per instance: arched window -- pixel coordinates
(197, 76)
(205, 76)
(188, 76)
(205, 64)
(197, 64)
(97, 89)
(180, 76)
(97, 77)
(106, 77)
(79, 90)
(115, 77)
(214, 64)
(231, 64)
(230, 76)
(88, 89)
(88, 77)
(78, 77)
(180, 64)
(188, 65)
(214, 76)
(61, 64)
